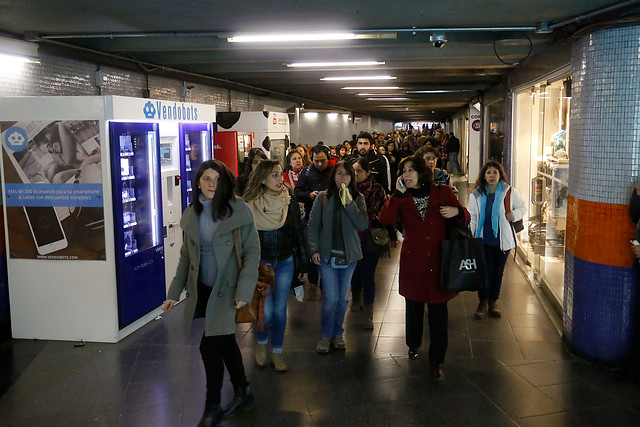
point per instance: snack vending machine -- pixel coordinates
(195, 146)
(135, 171)
(84, 204)
(231, 148)
(270, 130)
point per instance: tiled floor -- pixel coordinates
(499, 372)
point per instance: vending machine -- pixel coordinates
(183, 147)
(270, 130)
(231, 148)
(84, 202)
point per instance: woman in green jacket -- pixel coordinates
(215, 284)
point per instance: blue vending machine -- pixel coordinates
(195, 148)
(139, 248)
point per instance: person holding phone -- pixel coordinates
(216, 285)
(423, 209)
(336, 217)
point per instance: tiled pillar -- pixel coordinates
(600, 295)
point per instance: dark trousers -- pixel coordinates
(438, 321)
(217, 352)
(363, 277)
(494, 260)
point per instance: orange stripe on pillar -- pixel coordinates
(599, 232)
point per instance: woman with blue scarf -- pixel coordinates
(490, 220)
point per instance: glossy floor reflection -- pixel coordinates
(512, 371)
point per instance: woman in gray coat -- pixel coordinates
(336, 217)
(215, 285)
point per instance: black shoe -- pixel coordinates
(413, 353)
(242, 401)
(212, 416)
(436, 372)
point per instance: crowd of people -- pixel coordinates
(311, 221)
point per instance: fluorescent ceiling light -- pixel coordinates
(440, 91)
(378, 94)
(332, 115)
(337, 79)
(18, 50)
(345, 116)
(387, 99)
(334, 64)
(312, 36)
(311, 114)
(370, 88)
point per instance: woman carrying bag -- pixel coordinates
(277, 217)
(423, 209)
(336, 217)
(363, 280)
(491, 221)
(216, 286)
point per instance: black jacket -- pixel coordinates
(378, 167)
(310, 179)
(453, 145)
(634, 212)
(278, 245)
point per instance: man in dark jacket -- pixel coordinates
(453, 148)
(377, 163)
(313, 179)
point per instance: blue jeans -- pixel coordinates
(363, 276)
(275, 305)
(335, 284)
(453, 163)
(495, 260)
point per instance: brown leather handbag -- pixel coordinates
(254, 310)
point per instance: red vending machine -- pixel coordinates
(231, 148)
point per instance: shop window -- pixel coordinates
(541, 175)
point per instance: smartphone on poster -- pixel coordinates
(46, 229)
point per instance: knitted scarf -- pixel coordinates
(270, 211)
(495, 211)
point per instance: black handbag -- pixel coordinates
(462, 266)
(378, 242)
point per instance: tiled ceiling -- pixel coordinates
(485, 40)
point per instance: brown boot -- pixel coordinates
(368, 317)
(481, 310)
(494, 311)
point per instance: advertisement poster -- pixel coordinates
(53, 186)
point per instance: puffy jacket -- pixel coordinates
(288, 240)
(518, 208)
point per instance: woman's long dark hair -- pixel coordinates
(248, 161)
(221, 203)
(481, 181)
(425, 175)
(333, 188)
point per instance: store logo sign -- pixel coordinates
(468, 264)
(16, 139)
(170, 111)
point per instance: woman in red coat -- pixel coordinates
(423, 208)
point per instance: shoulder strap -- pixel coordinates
(507, 201)
(443, 177)
(236, 246)
(322, 201)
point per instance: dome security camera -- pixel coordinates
(438, 40)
